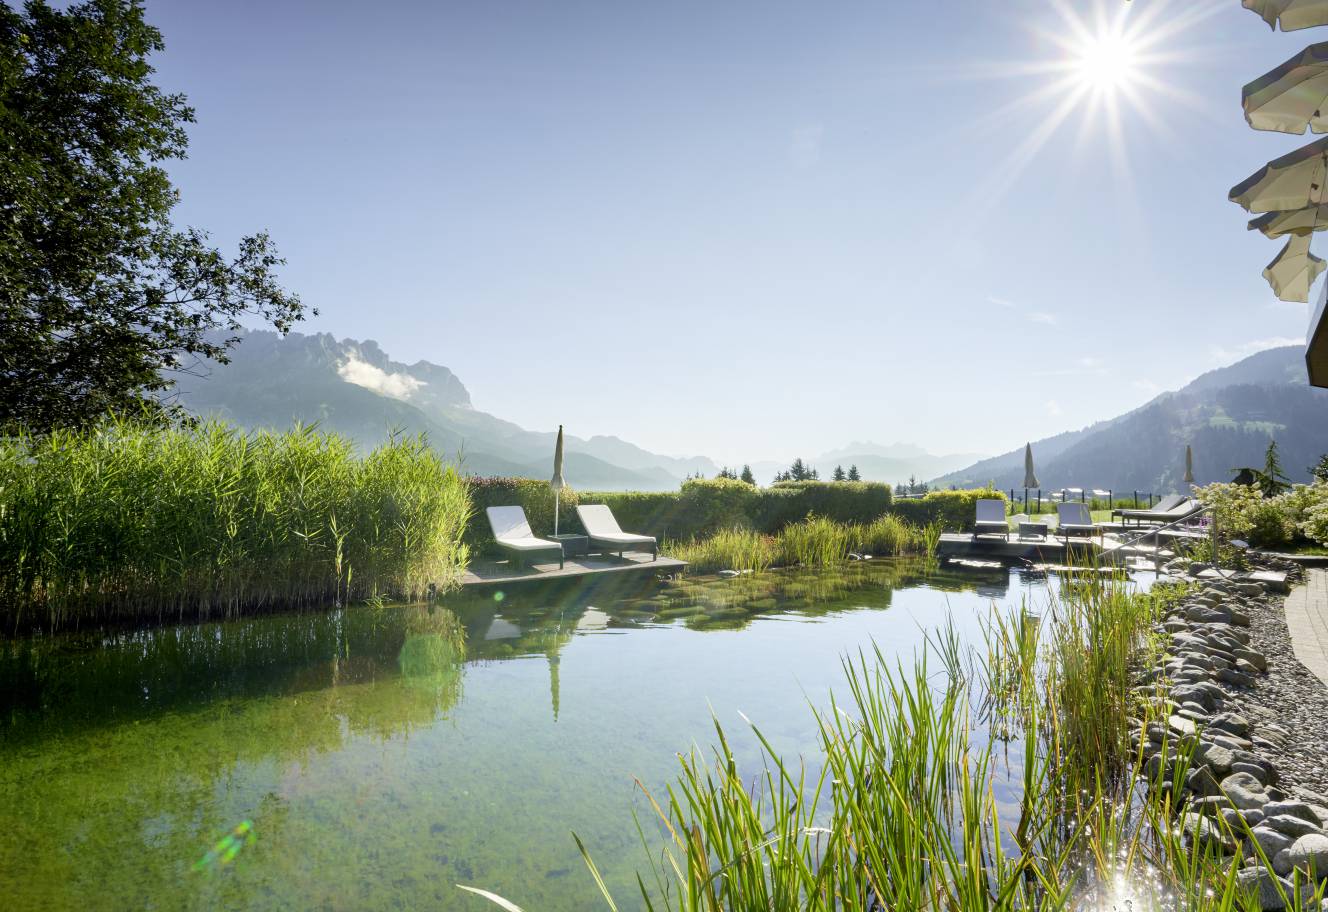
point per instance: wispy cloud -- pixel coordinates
(805, 146)
(1046, 318)
(1053, 408)
(1225, 355)
(362, 373)
(1147, 387)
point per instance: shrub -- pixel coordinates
(952, 511)
(532, 495)
(1314, 518)
(843, 501)
(131, 521)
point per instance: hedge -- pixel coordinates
(701, 507)
(705, 506)
(954, 510)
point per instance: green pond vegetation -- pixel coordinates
(900, 810)
(127, 521)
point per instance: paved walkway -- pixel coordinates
(1307, 620)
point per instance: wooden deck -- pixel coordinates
(1050, 550)
(503, 573)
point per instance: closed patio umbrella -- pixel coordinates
(1291, 15)
(1294, 181)
(1030, 478)
(1293, 272)
(1189, 465)
(557, 483)
(1292, 98)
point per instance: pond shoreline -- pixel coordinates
(1255, 721)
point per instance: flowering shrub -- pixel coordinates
(1234, 506)
(1314, 517)
(1242, 510)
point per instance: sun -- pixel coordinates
(1107, 62)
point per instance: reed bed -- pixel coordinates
(814, 542)
(130, 521)
(904, 813)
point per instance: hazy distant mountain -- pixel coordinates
(356, 389)
(1227, 415)
(894, 463)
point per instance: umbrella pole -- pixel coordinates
(556, 499)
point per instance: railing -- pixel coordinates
(1156, 531)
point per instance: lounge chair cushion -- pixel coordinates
(512, 530)
(602, 526)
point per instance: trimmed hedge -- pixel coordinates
(703, 507)
(954, 510)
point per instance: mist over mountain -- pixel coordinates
(354, 388)
(1227, 415)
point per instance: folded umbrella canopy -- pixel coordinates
(1291, 15)
(1030, 478)
(1293, 221)
(1293, 272)
(1294, 181)
(1293, 97)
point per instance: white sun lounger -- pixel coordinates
(512, 533)
(1075, 519)
(990, 519)
(605, 534)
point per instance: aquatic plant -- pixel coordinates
(906, 811)
(134, 521)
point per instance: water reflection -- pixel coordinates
(380, 755)
(114, 678)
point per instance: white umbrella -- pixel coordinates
(1293, 97)
(1292, 15)
(557, 483)
(1294, 181)
(1292, 274)
(1030, 479)
(1189, 465)
(1291, 221)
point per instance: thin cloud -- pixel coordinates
(1224, 355)
(1043, 317)
(1053, 408)
(362, 373)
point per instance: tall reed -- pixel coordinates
(905, 813)
(133, 521)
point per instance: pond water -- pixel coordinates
(373, 758)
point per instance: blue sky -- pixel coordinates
(750, 230)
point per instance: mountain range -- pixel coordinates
(1228, 416)
(354, 388)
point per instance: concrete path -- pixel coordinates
(1307, 620)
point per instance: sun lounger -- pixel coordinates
(512, 533)
(1075, 519)
(991, 519)
(1170, 502)
(605, 535)
(1175, 513)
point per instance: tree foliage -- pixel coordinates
(99, 291)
